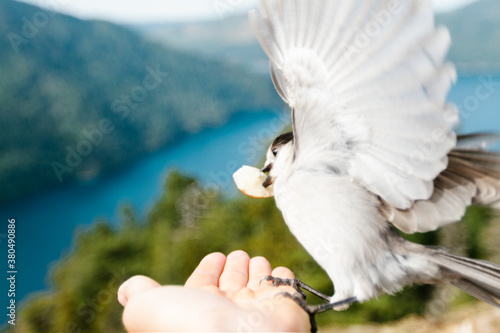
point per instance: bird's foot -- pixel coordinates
(313, 310)
(297, 285)
(300, 298)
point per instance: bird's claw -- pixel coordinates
(300, 297)
(313, 310)
(278, 282)
(309, 309)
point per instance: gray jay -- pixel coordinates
(372, 147)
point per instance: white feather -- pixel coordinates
(343, 248)
(367, 78)
(372, 141)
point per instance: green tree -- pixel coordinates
(185, 224)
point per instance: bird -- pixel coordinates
(372, 147)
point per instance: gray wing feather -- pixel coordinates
(478, 278)
(472, 177)
(481, 141)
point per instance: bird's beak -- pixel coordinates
(267, 168)
(269, 180)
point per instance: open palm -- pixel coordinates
(222, 294)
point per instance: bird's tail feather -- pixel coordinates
(478, 278)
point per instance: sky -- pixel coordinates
(150, 11)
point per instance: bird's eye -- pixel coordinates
(275, 151)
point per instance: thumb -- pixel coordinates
(133, 286)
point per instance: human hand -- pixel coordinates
(222, 294)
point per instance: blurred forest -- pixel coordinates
(189, 222)
(61, 78)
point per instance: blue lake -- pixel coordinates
(46, 223)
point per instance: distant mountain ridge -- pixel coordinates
(231, 39)
(81, 97)
(475, 31)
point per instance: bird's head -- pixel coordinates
(279, 157)
(259, 183)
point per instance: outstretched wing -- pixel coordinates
(367, 84)
(472, 176)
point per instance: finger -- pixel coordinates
(235, 274)
(258, 268)
(134, 286)
(283, 272)
(208, 271)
